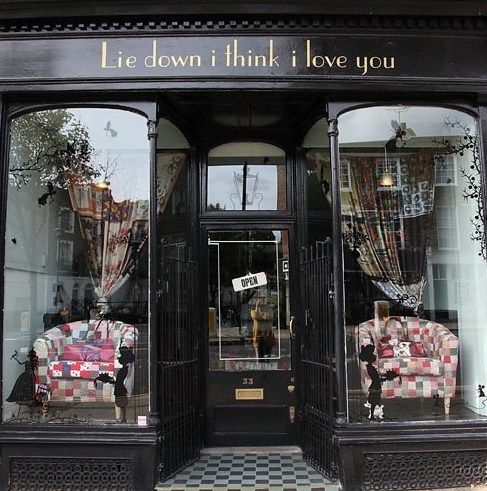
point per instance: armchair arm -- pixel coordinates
(48, 348)
(445, 347)
(440, 342)
(128, 336)
(366, 333)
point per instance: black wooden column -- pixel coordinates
(154, 417)
(339, 319)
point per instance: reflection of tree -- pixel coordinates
(51, 146)
(49, 149)
(467, 143)
(216, 207)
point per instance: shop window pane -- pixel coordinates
(318, 192)
(415, 272)
(76, 268)
(246, 176)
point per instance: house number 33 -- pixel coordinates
(247, 381)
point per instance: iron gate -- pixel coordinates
(316, 367)
(178, 361)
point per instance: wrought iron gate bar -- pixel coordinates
(178, 363)
(317, 360)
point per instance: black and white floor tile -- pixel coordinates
(267, 471)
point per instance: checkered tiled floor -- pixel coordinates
(251, 471)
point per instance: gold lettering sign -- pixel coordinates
(249, 394)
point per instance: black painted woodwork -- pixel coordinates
(70, 8)
(362, 449)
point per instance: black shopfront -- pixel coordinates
(243, 226)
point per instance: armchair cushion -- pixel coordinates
(411, 366)
(389, 348)
(79, 369)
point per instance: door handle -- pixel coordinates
(291, 321)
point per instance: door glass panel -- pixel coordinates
(248, 300)
(246, 177)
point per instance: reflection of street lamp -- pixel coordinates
(245, 181)
(103, 186)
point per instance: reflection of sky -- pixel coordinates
(126, 146)
(374, 123)
(221, 187)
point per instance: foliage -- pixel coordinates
(469, 144)
(52, 147)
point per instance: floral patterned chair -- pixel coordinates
(423, 353)
(71, 356)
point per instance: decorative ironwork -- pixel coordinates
(246, 185)
(179, 387)
(469, 144)
(133, 24)
(77, 473)
(316, 368)
(424, 470)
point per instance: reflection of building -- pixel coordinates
(277, 97)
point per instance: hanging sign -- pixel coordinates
(249, 281)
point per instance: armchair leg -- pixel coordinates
(446, 401)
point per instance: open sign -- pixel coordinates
(249, 281)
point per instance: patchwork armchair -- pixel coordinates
(423, 353)
(72, 356)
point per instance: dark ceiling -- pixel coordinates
(212, 118)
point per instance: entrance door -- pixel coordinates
(250, 379)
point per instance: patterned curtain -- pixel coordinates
(169, 167)
(115, 234)
(396, 222)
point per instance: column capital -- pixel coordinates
(151, 128)
(333, 127)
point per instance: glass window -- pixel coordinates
(76, 267)
(249, 299)
(172, 190)
(318, 174)
(415, 272)
(246, 176)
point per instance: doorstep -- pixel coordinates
(249, 468)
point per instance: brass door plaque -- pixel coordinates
(249, 394)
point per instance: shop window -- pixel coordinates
(318, 176)
(415, 272)
(76, 272)
(172, 189)
(246, 177)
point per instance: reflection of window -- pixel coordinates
(446, 227)
(388, 171)
(66, 220)
(246, 176)
(445, 170)
(345, 175)
(65, 253)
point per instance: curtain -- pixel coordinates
(114, 234)
(395, 222)
(169, 167)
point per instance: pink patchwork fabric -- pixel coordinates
(420, 377)
(411, 366)
(80, 390)
(74, 379)
(78, 369)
